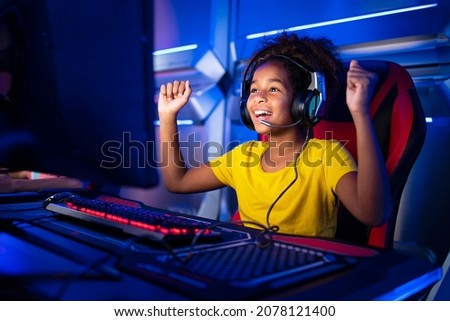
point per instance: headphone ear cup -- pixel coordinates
(304, 109)
(312, 104)
(298, 109)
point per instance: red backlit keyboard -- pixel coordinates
(130, 218)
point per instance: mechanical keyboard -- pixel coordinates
(131, 217)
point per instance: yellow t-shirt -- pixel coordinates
(308, 206)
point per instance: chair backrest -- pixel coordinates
(400, 126)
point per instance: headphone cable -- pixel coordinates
(269, 210)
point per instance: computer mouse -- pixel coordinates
(61, 197)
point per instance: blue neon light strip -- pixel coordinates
(412, 287)
(343, 20)
(182, 122)
(175, 49)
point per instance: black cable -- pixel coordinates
(258, 239)
(86, 268)
(269, 210)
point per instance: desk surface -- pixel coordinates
(50, 264)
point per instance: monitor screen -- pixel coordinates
(81, 101)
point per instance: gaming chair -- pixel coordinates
(400, 126)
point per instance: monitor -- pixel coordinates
(81, 100)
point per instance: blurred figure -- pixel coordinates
(23, 181)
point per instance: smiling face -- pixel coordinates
(270, 96)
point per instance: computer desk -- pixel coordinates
(38, 264)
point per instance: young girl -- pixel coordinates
(292, 182)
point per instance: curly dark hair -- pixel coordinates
(316, 54)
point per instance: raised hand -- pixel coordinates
(173, 96)
(360, 85)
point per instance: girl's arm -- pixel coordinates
(177, 177)
(366, 194)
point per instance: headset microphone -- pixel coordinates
(279, 126)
